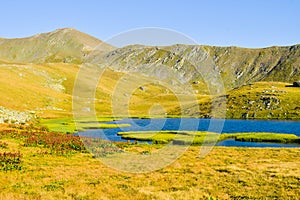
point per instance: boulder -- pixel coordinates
(296, 84)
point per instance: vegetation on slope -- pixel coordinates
(137, 79)
(194, 63)
(260, 100)
(225, 173)
(62, 45)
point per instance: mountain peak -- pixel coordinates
(67, 30)
(56, 46)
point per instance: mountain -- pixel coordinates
(237, 66)
(190, 63)
(62, 45)
(38, 73)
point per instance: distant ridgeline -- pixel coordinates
(53, 59)
(236, 65)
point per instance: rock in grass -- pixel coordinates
(296, 84)
(143, 88)
(14, 117)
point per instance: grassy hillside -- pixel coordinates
(240, 66)
(272, 100)
(38, 74)
(62, 45)
(40, 88)
(47, 90)
(259, 100)
(189, 64)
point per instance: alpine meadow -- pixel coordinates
(46, 152)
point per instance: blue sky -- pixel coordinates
(246, 23)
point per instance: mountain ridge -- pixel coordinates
(236, 65)
(38, 73)
(71, 29)
(61, 45)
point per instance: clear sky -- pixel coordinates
(246, 23)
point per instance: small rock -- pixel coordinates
(142, 88)
(251, 102)
(245, 115)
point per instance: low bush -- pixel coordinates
(10, 161)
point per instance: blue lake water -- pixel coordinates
(212, 125)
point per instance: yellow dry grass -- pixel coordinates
(225, 173)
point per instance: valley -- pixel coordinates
(63, 84)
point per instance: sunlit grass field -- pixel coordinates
(51, 165)
(47, 90)
(225, 173)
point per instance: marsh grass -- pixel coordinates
(67, 125)
(199, 138)
(264, 137)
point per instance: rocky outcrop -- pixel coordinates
(15, 117)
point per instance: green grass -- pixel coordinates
(102, 126)
(199, 138)
(67, 125)
(260, 100)
(264, 137)
(177, 137)
(247, 101)
(225, 173)
(29, 86)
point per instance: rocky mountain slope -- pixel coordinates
(38, 73)
(62, 45)
(237, 66)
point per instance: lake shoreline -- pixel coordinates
(254, 131)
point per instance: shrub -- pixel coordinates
(58, 143)
(3, 145)
(10, 161)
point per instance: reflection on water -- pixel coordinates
(233, 143)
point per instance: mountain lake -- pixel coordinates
(194, 124)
